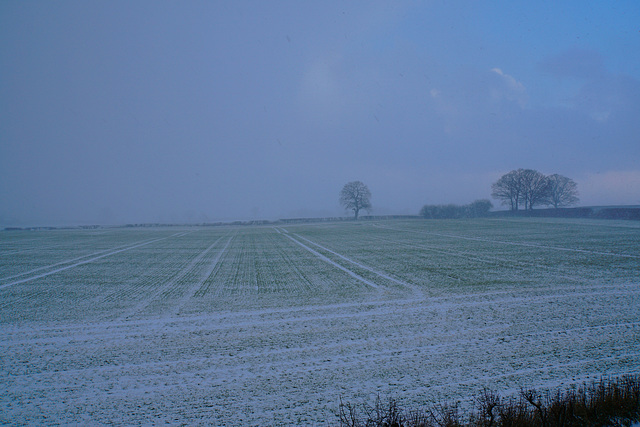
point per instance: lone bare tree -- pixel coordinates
(563, 191)
(355, 196)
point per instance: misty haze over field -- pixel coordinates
(116, 112)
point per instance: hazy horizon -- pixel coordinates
(143, 112)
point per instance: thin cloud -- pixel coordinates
(510, 89)
(231, 111)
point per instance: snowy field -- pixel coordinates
(273, 325)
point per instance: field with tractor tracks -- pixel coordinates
(272, 325)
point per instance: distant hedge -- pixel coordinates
(477, 209)
(618, 213)
(626, 213)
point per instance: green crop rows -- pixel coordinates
(274, 324)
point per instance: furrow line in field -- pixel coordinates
(179, 275)
(325, 313)
(413, 288)
(39, 244)
(227, 360)
(468, 255)
(379, 357)
(502, 242)
(581, 329)
(113, 295)
(20, 251)
(228, 322)
(468, 299)
(282, 273)
(68, 260)
(29, 240)
(500, 262)
(193, 288)
(294, 265)
(192, 321)
(257, 274)
(86, 337)
(525, 371)
(333, 263)
(52, 290)
(230, 264)
(424, 341)
(142, 277)
(57, 270)
(329, 312)
(409, 343)
(237, 271)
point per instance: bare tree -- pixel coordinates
(355, 196)
(535, 187)
(508, 189)
(521, 186)
(563, 191)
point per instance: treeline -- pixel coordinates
(476, 209)
(604, 403)
(624, 213)
(528, 188)
(520, 188)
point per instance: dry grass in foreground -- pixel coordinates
(611, 402)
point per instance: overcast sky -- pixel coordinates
(136, 111)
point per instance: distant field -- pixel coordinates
(269, 325)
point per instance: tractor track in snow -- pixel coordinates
(86, 261)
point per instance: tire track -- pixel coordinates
(333, 263)
(65, 261)
(39, 276)
(416, 291)
(277, 316)
(379, 347)
(293, 266)
(162, 289)
(263, 355)
(496, 261)
(194, 288)
(502, 242)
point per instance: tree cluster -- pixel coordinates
(478, 208)
(527, 188)
(524, 188)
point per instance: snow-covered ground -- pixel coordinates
(274, 325)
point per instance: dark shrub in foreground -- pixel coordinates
(605, 403)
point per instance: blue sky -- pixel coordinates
(115, 112)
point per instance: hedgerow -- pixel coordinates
(608, 402)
